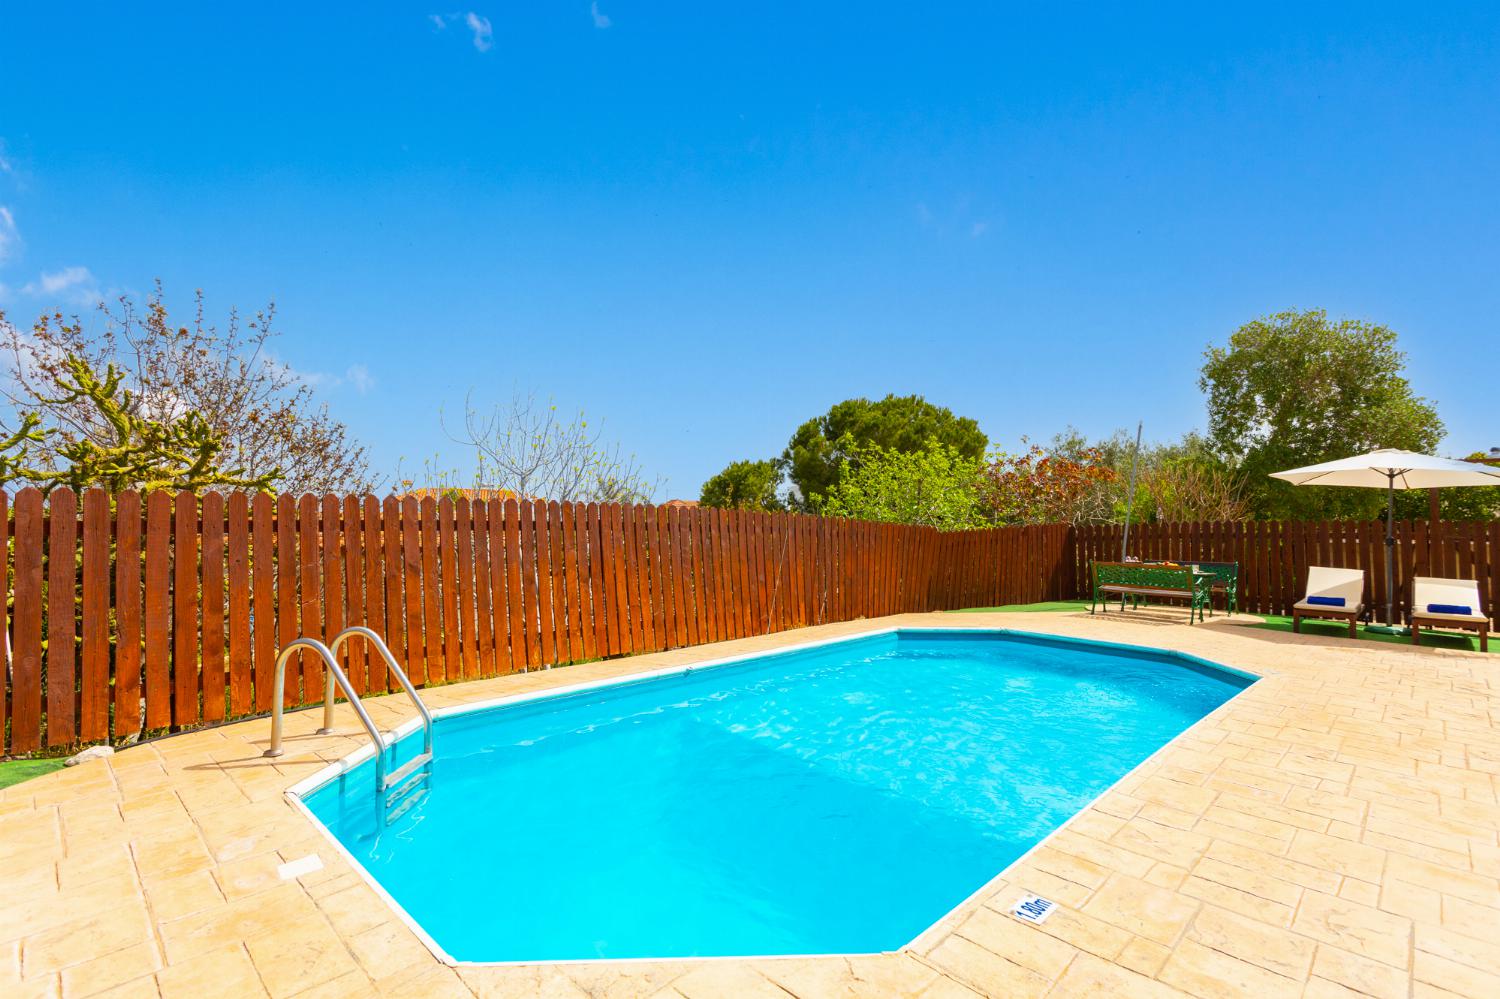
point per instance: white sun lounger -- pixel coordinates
(1340, 594)
(1437, 603)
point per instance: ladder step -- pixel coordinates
(411, 800)
(400, 792)
(415, 763)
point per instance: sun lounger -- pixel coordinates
(1334, 594)
(1448, 603)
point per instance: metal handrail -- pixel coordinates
(390, 662)
(334, 674)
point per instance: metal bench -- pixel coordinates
(1138, 579)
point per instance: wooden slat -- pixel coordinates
(500, 589)
(241, 678)
(557, 560)
(463, 533)
(577, 615)
(186, 688)
(619, 595)
(310, 594)
(395, 607)
(263, 600)
(583, 541)
(518, 630)
(601, 566)
(544, 605)
(448, 577)
(484, 608)
(288, 614)
(93, 719)
(431, 587)
(62, 628)
(26, 625)
(212, 597)
(645, 613)
(329, 585)
(372, 545)
(413, 597)
(526, 527)
(634, 603)
(127, 614)
(355, 651)
(667, 574)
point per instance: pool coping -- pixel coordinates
(941, 925)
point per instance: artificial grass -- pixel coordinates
(15, 771)
(1046, 606)
(1336, 629)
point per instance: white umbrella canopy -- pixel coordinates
(1391, 469)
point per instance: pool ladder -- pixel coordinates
(409, 779)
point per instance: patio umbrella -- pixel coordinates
(1391, 469)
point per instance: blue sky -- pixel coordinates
(705, 223)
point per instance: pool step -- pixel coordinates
(404, 790)
(406, 769)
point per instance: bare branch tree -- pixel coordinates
(528, 448)
(264, 412)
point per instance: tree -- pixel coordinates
(1048, 487)
(935, 485)
(1297, 388)
(264, 415)
(745, 485)
(822, 447)
(181, 452)
(1186, 488)
(528, 449)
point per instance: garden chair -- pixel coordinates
(1332, 594)
(1448, 603)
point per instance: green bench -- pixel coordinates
(1140, 579)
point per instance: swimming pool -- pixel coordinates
(836, 798)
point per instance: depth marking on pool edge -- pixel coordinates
(1033, 909)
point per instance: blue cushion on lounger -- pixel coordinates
(1449, 609)
(1326, 601)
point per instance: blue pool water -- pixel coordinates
(837, 799)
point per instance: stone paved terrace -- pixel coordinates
(1330, 832)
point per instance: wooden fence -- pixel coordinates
(173, 607)
(1274, 556)
(129, 613)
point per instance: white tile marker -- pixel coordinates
(1033, 909)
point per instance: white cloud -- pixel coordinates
(359, 377)
(356, 376)
(6, 166)
(484, 35)
(51, 284)
(479, 26)
(601, 21)
(10, 236)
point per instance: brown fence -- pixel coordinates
(174, 606)
(1274, 556)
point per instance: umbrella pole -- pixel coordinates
(1390, 555)
(1390, 627)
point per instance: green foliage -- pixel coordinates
(745, 485)
(1297, 388)
(822, 447)
(937, 485)
(128, 451)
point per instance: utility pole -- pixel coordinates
(1130, 496)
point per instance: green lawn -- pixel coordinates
(16, 771)
(1335, 629)
(1044, 607)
